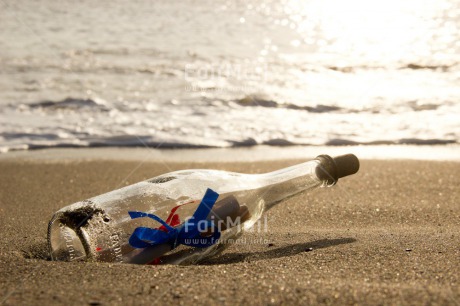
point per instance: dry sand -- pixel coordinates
(388, 235)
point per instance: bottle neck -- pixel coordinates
(284, 183)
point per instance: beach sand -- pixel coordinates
(387, 235)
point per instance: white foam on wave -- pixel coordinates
(202, 124)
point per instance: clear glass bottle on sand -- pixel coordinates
(181, 217)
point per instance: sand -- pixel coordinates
(388, 235)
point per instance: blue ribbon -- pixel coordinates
(187, 234)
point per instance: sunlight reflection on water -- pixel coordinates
(201, 73)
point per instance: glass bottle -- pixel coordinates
(181, 217)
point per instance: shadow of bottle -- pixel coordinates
(289, 250)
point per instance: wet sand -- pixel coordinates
(388, 235)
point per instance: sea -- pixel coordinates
(202, 73)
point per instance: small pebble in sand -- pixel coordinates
(270, 244)
(308, 249)
(408, 250)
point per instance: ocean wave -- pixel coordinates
(206, 122)
(69, 103)
(255, 101)
(95, 104)
(408, 106)
(443, 67)
(34, 141)
(407, 141)
(415, 66)
(76, 104)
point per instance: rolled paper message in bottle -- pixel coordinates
(181, 217)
